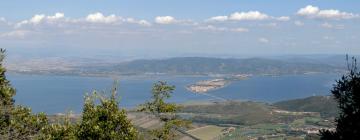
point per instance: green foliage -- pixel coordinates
(6, 95)
(99, 121)
(16, 122)
(347, 94)
(231, 112)
(160, 92)
(104, 120)
(164, 111)
(61, 130)
(325, 105)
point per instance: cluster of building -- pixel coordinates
(205, 86)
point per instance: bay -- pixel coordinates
(59, 94)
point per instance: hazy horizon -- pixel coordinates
(161, 29)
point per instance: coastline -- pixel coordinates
(205, 86)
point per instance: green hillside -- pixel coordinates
(325, 105)
(203, 65)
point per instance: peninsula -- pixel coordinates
(214, 84)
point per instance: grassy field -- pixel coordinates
(207, 132)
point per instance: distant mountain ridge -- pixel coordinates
(175, 66)
(205, 65)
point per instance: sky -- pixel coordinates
(174, 28)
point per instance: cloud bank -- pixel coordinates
(315, 12)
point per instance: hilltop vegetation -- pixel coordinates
(325, 105)
(249, 112)
(292, 119)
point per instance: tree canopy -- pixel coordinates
(347, 93)
(164, 111)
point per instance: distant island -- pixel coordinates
(209, 85)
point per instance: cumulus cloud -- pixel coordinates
(308, 10)
(219, 18)
(100, 18)
(263, 40)
(251, 15)
(247, 16)
(165, 20)
(56, 16)
(112, 19)
(37, 19)
(315, 12)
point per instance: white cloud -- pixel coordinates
(60, 19)
(251, 15)
(56, 16)
(37, 19)
(140, 22)
(283, 18)
(15, 34)
(240, 30)
(263, 40)
(219, 18)
(308, 10)
(165, 20)
(100, 18)
(212, 28)
(299, 23)
(247, 16)
(222, 29)
(144, 22)
(315, 12)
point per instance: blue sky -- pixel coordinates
(169, 28)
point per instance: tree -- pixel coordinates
(16, 122)
(164, 111)
(63, 129)
(104, 120)
(6, 97)
(347, 93)
(99, 121)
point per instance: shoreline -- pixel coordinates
(205, 86)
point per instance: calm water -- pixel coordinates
(54, 94)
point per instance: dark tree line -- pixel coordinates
(347, 93)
